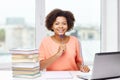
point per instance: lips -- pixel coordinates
(60, 32)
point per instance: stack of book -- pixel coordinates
(25, 63)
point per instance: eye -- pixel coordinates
(56, 23)
(64, 23)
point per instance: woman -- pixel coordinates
(60, 52)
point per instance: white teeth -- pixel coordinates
(61, 32)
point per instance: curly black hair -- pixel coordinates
(51, 17)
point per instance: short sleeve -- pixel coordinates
(42, 51)
(79, 58)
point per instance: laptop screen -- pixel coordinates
(106, 65)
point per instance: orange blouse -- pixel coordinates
(69, 59)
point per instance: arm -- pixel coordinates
(83, 68)
(79, 59)
(45, 63)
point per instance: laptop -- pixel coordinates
(106, 66)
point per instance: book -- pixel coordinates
(25, 64)
(28, 76)
(25, 72)
(24, 56)
(24, 60)
(25, 69)
(24, 51)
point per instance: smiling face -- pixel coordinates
(60, 26)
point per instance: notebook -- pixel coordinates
(51, 75)
(106, 66)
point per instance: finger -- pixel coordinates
(82, 69)
(85, 69)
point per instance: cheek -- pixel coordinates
(66, 28)
(54, 27)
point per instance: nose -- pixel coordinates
(61, 25)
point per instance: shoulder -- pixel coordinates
(74, 38)
(45, 39)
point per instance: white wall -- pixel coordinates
(119, 25)
(40, 16)
(109, 23)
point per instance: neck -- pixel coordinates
(59, 38)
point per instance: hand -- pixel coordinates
(61, 49)
(84, 68)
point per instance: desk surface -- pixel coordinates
(7, 75)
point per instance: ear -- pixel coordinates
(52, 28)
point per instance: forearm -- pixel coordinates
(79, 65)
(45, 63)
